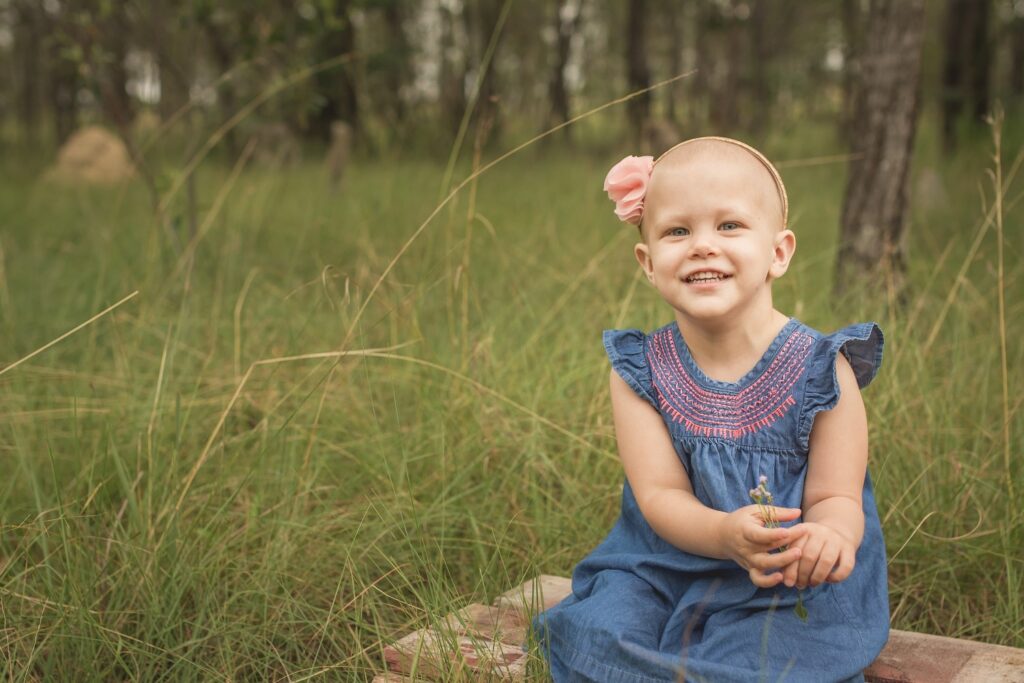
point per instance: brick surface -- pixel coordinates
(433, 655)
(491, 623)
(921, 658)
(536, 595)
(391, 677)
(485, 641)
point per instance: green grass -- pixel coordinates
(346, 502)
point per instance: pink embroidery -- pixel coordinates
(707, 412)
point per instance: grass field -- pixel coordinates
(177, 506)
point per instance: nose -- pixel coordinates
(702, 243)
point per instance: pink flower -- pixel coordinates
(626, 185)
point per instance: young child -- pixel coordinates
(729, 397)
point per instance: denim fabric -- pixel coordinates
(643, 610)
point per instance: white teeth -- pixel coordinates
(704, 277)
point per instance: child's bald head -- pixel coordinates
(742, 172)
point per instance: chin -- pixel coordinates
(709, 314)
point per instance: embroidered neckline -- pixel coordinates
(683, 353)
(708, 407)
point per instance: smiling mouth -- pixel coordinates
(707, 277)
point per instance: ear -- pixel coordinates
(785, 247)
(643, 255)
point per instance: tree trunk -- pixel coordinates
(28, 41)
(399, 72)
(638, 72)
(114, 79)
(567, 16)
(871, 249)
(672, 10)
(338, 37)
(63, 99)
(225, 57)
(726, 40)
(980, 52)
(952, 78)
(966, 66)
(1017, 56)
(99, 32)
(171, 65)
(853, 48)
(452, 73)
(482, 23)
(63, 83)
(760, 57)
(700, 90)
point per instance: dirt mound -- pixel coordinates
(92, 155)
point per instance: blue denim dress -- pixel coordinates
(643, 610)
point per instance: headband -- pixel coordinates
(626, 182)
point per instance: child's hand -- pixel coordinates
(747, 542)
(827, 556)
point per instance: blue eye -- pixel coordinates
(686, 231)
(732, 223)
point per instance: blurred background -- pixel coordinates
(173, 83)
(301, 303)
(402, 75)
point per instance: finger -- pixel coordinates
(790, 573)
(783, 514)
(775, 560)
(810, 557)
(764, 580)
(803, 574)
(771, 515)
(826, 561)
(844, 568)
(768, 538)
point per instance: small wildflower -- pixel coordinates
(763, 497)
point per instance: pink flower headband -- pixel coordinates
(626, 182)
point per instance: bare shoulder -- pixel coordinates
(849, 390)
(848, 413)
(620, 389)
(645, 445)
(625, 400)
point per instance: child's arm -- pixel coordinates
(666, 500)
(833, 513)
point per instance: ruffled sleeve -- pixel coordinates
(862, 344)
(626, 352)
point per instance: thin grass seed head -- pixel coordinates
(763, 497)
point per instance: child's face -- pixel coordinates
(713, 209)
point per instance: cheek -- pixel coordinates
(671, 258)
